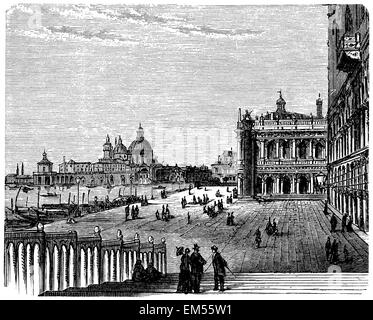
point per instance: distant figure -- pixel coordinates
(197, 263)
(346, 254)
(139, 273)
(258, 238)
(344, 222)
(168, 215)
(268, 227)
(133, 213)
(333, 223)
(194, 199)
(334, 251)
(127, 211)
(119, 235)
(328, 247)
(326, 209)
(188, 218)
(137, 211)
(152, 274)
(219, 265)
(349, 224)
(157, 214)
(229, 219)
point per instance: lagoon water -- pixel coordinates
(30, 198)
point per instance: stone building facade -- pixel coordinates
(348, 111)
(225, 169)
(281, 153)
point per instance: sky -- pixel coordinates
(75, 73)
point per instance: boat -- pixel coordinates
(49, 194)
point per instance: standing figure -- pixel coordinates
(344, 222)
(258, 238)
(328, 247)
(349, 224)
(188, 218)
(326, 209)
(137, 211)
(333, 223)
(167, 212)
(197, 263)
(219, 265)
(157, 214)
(229, 219)
(185, 278)
(334, 251)
(127, 211)
(133, 213)
(163, 213)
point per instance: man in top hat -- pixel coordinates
(219, 265)
(197, 262)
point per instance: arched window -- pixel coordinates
(302, 150)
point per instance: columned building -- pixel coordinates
(281, 153)
(348, 112)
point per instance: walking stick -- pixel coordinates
(230, 271)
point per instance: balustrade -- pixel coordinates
(36, 261)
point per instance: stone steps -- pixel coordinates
(243, 283)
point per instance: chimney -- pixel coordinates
(22, 170)
(319, 107)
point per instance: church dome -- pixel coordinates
(120, 147)
(140, 148)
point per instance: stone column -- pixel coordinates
(262, 147)
(292, 184)
(263, 186)
(311, 147)
(311, 183)
(277, 148)
(277, 184)
(297, 185)
(294, 149)
(281, 186)
(239, 162)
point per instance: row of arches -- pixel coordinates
(289, 184)
(290, 148)
(32, 271)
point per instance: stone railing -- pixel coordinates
(36, 261)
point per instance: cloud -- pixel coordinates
(131, 15)
(63, 33)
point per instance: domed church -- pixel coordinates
(141, 150)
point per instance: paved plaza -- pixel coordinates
(303, 229)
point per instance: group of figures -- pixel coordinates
(184, 202)
(150, 274)
(346, 223)
(332, 252)
(205, 199)
(230, 219)
(213, 210)
(270, 229)
(134, 212)
(166, 214)
(163, 194)
(191, 269)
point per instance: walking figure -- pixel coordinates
(197, 263)
(334, 251)
(219, 265)
(188, 218)
(333, 223)
(344, 221)
(328, 247)
(184, 275)
(258, 238)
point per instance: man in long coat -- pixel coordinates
(219, 265)
(197, 262)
